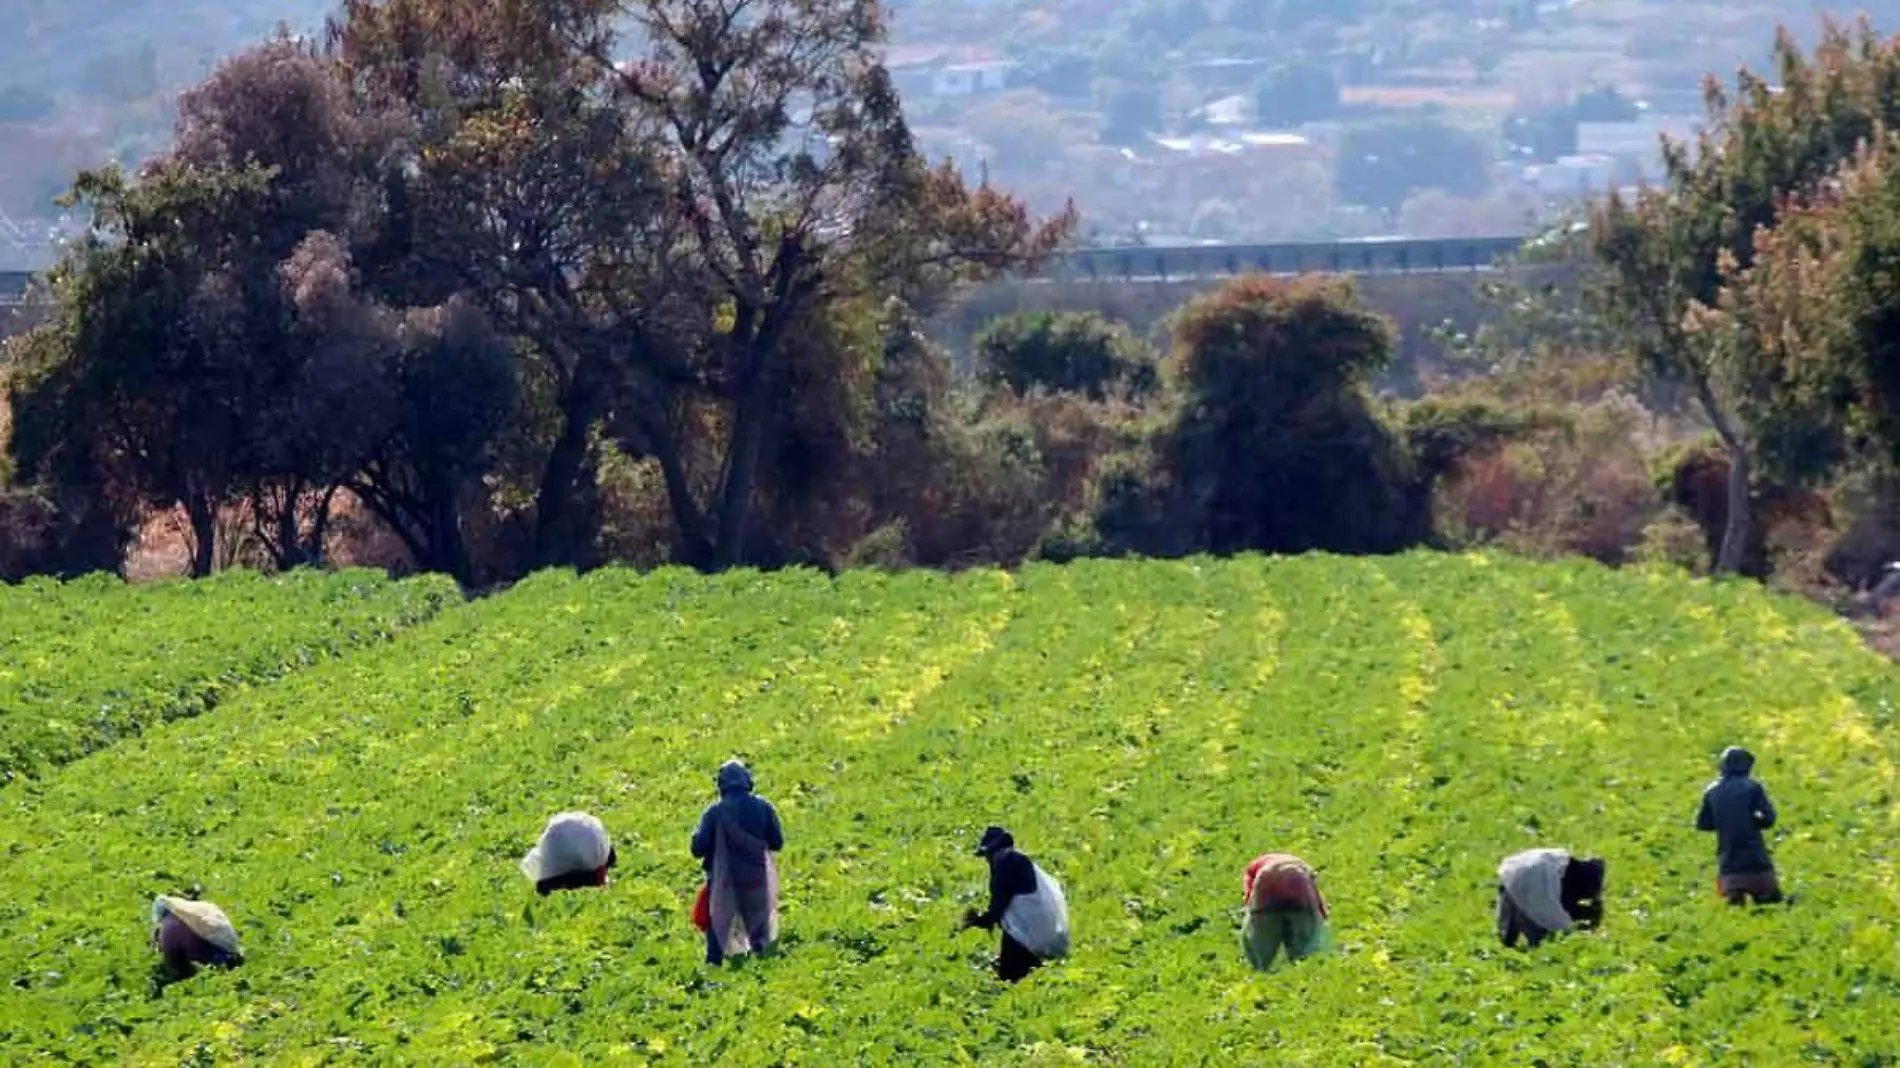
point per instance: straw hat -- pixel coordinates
(202, 918)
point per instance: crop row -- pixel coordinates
(1143, 728)
(88, 663)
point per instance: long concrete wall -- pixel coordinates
(1162, 263)
(1374, 256)
(1166, 263)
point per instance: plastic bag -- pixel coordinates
(1040, 921)
(702, 908)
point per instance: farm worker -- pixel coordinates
(735, 841)
(573, 852)
(1737, 809)
(1026, 902)
(189, 933)
(1284, 909)
(1544, 891)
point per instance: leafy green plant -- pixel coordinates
(88, 663)
(1143, 728)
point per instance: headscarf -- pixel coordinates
(572, 842)
(202, 918)
(734, 778)
(1282, 879)
(1737, 761)
(1534, 881)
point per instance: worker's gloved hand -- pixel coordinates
(972, 918)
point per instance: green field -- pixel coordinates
(1145, 729)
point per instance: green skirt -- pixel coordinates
(1300, 932)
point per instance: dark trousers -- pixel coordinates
(1739, 888)
(1015, 961)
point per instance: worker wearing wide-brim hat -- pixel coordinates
(190, 933)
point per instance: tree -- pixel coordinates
(1296, 93)
(1669, 249)
(215, 342)
(1273, 444)
(1807, 331)
(1382, 163)
(1072, 352)
(1130, 111)
(143, 374)
(659, 228)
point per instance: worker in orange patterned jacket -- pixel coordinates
(1284, 910)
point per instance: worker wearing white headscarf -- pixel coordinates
(190, 933)
(574, 852)
(1542, 892)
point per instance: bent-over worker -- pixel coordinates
(573, 853)
(1026, 902)
(1542, 892)
(189, 933)
(1284, 910)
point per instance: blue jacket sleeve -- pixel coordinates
(1705, 820)
(702, 836)
(1764, 808)
(774, 835)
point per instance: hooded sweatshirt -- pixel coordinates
(1737, 809)
(738, 806)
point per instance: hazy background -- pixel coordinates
(1166, 120)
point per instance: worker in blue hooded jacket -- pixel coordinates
(735, 840)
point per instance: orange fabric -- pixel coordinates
(1288, 881)
(702, 909)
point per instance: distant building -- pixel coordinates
(1573, 176)
(930, 70)
(1637, 143)
(969, 79)
(1235, 110)
(1225, 74)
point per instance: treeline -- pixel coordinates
(481, 289)
(456, 263)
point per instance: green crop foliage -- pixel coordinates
(1143, 728)
(87, 663)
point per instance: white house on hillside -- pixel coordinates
(969, 79)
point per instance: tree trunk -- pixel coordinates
(553, 503)
(751, 417)
(742, 469)
(203, 514)
(1735, 531)
(1730, 557)
(448, 549)
(314, 551)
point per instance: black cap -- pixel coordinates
(994, 838)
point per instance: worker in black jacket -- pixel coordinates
(1736, 809)
(1011, 874)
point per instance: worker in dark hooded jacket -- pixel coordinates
(1736, 808)
(735, 841)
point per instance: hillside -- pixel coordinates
(1143, 728)
(1107, 103)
